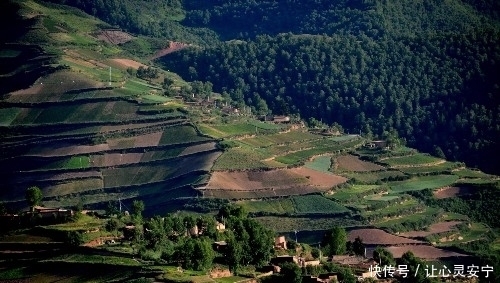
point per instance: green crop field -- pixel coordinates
(7, 115)
(239, 158)
(443, 167)
(424, 182)
(471, 173)
(320, 163)
(348, 193)
(317, 204)
(381, 197)
(180, 134)
(74, 162)
(416, 159)
(323, 147)
(284, 205)
(402, 208)
(292, 136)
(372, 177)
(396, 224)
(266, 126)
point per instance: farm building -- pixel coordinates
(283, 259)
(220, 226)
(327, 277)
(280, 243)
(45, 212)
(377, 144)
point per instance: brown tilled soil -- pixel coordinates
(448, 192)
(172, 47)
(380, 237)
(115, 159)
(435, 228)
(151, 139)
(319, 179)
(64, 149)
(353, 163)
(127, 63)
(114, 36)
(422, 251)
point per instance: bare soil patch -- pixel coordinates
(319, 179)
(422, 251)
(353, 163)
(435, 228)
(262, 184)
(379, 237)
(128, 63)
(274, 179)
(145, 140)
(65, 149)
(114, 36)
(173, 46)
(448, 192)
(115, 159)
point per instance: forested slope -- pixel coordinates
(427, 70)
(424, 69)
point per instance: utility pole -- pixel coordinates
(109, 75)
(296, 241)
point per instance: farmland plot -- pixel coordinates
(180, 134)
(151, 173)
(412, 160)
(316, 204)
(320, 163)
(423, 251)
(284, 205)
(440, 168)
(424, 182)
(379, 237)
(435, 228)
(353, 163)
(373, 177)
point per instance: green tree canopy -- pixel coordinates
(34, 196)
(335, 241)
(137, 208)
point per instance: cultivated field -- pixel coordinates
(412, 160)
(273, 180)
(448, 192)
(424, 182)
(422, 251)
(435, 228)
(353, 163)
(379, 237)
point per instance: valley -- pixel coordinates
(141, 148)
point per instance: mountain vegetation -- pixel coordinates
(372, 67)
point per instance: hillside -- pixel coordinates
(82, 128)
(428, 75)
(291, 127)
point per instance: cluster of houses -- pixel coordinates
(360, 264)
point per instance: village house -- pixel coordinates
(280, 243)
(220, 226)
(283, 259)
(45, 212)
(377, 144)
